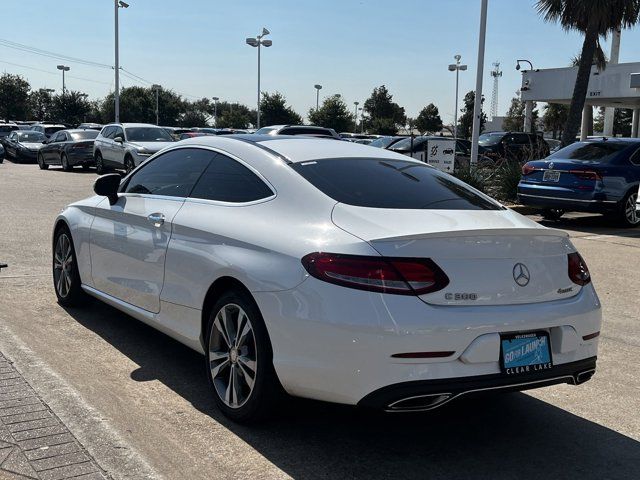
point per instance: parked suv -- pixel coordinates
(47, 129)
(514, 145)
(308, 130)
(127, 145)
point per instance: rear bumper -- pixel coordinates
(429, 394)
(81, 157)
(572, 204)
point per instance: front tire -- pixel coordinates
(64, 161)
(100, 168)
(66, 277)
(41, 164)
(627, 213)
(128, 165)
(239, 359)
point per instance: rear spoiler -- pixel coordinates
(484, 232)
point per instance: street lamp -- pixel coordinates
(64, 68)
(258, 42)
(361, 120)
(157, 88)
(215, 110)
(118, 4)
(355, 117)
(456, 67)
(518, 64)
(318, 88)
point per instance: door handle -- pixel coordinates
(156, 218)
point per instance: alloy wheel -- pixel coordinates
(630, 212)
(232, 355)
(63, 265)
(128, 165)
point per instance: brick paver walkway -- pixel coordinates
(34, 443)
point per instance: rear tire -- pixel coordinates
(239, 359)
(66, 277)
(552, 214)
(41, 164)
(628, 216)
(64, 161)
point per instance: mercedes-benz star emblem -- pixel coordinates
(521, 274)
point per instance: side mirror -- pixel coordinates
(107, 186)
(118, 140)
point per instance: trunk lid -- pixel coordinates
(492, 257)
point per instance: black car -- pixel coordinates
(68, 148)
(518, 146)
(23, 144)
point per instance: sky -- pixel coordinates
(197, 47)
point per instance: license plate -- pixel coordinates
(525, 353)
(551, 176)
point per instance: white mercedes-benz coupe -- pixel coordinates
(333, 271)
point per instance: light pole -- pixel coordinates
(64, 68)
(215, 110)
(118, 4)
(157, 88)
(258, 42)
(355, 117)
(456, 67)
(477, 104)
(318, 87)
(361, 120)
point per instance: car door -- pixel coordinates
(104, 143)
(12, 144)
(52, 150)
(129, 239)
(117, 147)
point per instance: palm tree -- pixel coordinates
(594, 18)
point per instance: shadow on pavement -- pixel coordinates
(503, 436)
(593, 224)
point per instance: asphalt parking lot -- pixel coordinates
(138, 401)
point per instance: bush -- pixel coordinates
(473, 177)
(506, 180)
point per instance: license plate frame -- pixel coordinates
(551, 176)
(518, 355)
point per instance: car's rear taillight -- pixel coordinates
(578, 270)
(586, 174)
(402, 276)
(528, 169)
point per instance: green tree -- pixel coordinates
(275, 111)
(333, 113)
(555, 117)
(14, 97)
(138, 104)
(428, 120)
(235, 115)
(40, 105)
(514, 120)
(465, 122)
(622, 119)
(70, 107)
(384, 116)
(593, 18)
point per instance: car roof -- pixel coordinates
(129, 125)
(612, 140)
(299, 148)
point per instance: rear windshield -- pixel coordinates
(601, 152)
(404, 145)
(489, 139)
(50, 130)
(86, 135)
(384, 183)
(306, 131)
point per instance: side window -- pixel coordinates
(635, 158)
(107, 132)
(226, 180)
(117, 132)
(520, 139)
(59, 137)
(172, 174)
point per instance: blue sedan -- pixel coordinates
(600, 176)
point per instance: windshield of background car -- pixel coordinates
(601, 152)
(148, 134)
(86, 135)
(488, 139)
(382, 142)
(387, 183)
(405, 144)
(31, 137)
(50, 130)
(265, 131)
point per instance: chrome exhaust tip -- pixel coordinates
(584, 376)
(419, 403)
